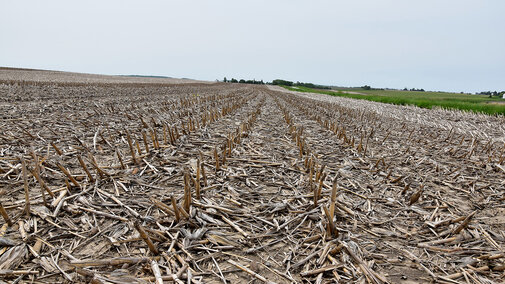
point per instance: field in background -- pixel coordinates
(475, 103)
(23, 76)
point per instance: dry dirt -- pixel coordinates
(234, 183)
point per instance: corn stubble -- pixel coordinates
(232, 182)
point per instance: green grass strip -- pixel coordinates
(465, 102)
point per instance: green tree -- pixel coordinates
(282, 82)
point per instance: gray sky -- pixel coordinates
(437, 45)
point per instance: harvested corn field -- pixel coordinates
(229, 183)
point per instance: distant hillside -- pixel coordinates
(10, 75)
(147, 76)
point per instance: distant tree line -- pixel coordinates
(414, 90)
(492, 94)
(282, 82)
(310, 85)
(276, 82)
(298, 84)
(367, 87)
(242, 81)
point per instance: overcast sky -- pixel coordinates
(453, 45)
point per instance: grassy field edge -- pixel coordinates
(465, 102)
